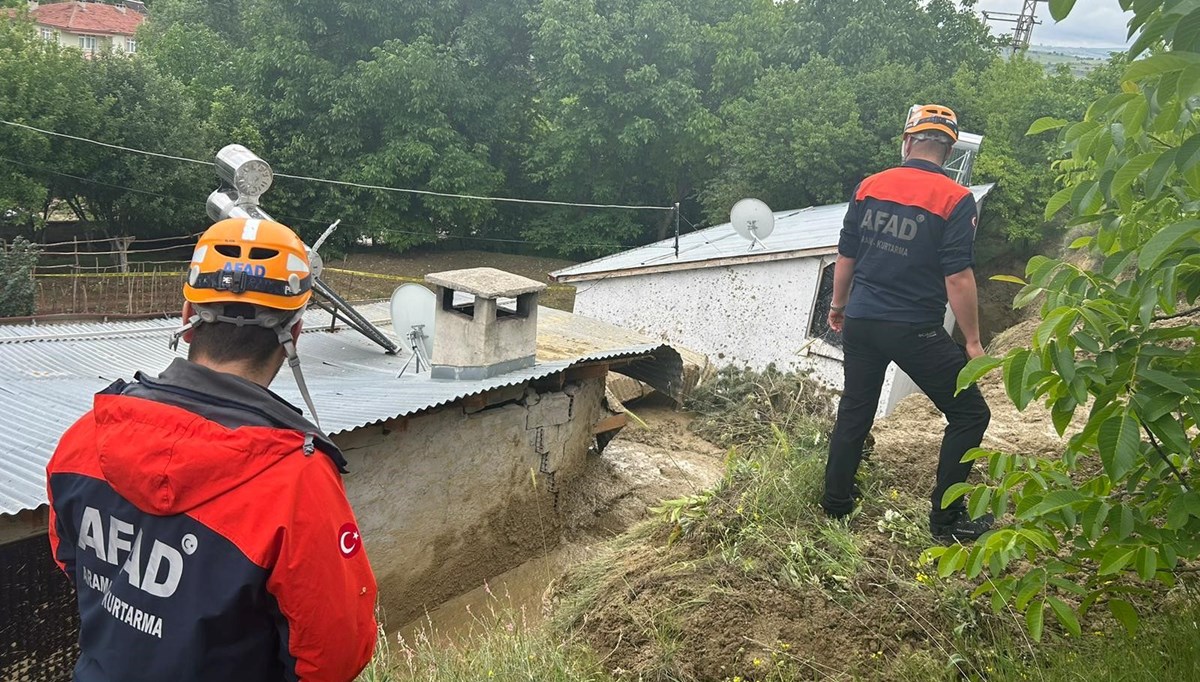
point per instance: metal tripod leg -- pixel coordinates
(353, 318)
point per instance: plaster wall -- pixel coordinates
(751, 315)
(748, 315)
(448, 499)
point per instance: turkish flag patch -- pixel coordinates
(349, 540)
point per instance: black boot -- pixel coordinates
(961, 528)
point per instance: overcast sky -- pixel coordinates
(1093, 23)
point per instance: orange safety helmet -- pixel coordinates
(247, 260)
(932, 117)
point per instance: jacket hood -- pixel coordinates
(167, 460)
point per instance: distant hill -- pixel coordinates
(1100, 53)
(1080, 60)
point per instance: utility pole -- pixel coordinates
(1025, 21)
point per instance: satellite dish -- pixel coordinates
(413, 309)
(752, 219)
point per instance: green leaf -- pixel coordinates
(1182, 509)
(947, 562)
(979, 502)
(1187, 33)
(1115, 559)
(1093, 519)
(1132, 169)
(1124, 523)
(1053, 502)
(1158, 173)
(1124, 613)
(1064, 362)
(1119, 444)
(1059, 9)
(1008, 278)
(1188, 154)
(1081, 242)
(1061, 415)
(954, 492)
(975, 369)
(1165, 380)
(1033, 618)
(1045, 123)
(1171, 435)
(975, 561)
(1147, 563)
(1165, 240)
(1060, 199)
(1018, 370)
(1154, 65)
(1066, 615)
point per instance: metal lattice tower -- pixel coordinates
(1025, 21)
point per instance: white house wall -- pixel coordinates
(748, 315)
(752, 315)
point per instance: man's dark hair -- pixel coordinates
(224, 342)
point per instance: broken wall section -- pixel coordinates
(448, 499)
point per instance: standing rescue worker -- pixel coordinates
(907, 245)
(201, 518)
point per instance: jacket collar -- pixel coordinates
(924, 165)
(210, 393)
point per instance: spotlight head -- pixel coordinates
(243, 170)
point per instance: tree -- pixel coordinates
(1000, 102)
(17, 288)
(781, 140)
(1117, 511)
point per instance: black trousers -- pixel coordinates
(932, 359)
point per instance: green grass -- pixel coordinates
(499, 646)
(741, 582)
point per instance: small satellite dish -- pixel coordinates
(752, 219)
(413, 309)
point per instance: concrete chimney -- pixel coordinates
(485, 337)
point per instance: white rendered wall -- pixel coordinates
(747, 315)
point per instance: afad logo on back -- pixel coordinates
(349, 540)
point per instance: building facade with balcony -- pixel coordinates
(91, 27)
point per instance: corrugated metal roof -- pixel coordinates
(797, 233)
(49, 373)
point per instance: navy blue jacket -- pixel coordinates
(908, 228)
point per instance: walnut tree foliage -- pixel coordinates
(1115, 515)
(17, 288)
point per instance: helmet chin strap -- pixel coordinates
(267, 318)
(289, 346)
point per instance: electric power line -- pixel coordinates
(345, 183)
(295, 219)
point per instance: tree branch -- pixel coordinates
(1174, 470)
(1182, 313)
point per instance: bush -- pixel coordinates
(17, 290)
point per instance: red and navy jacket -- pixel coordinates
(208, 536)
(908, 228)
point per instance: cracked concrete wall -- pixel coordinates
(451, 499)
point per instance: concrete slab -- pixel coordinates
(485, 282)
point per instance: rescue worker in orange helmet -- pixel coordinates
(906, 248)
(201, 518)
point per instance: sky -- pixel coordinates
(1093, 23)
